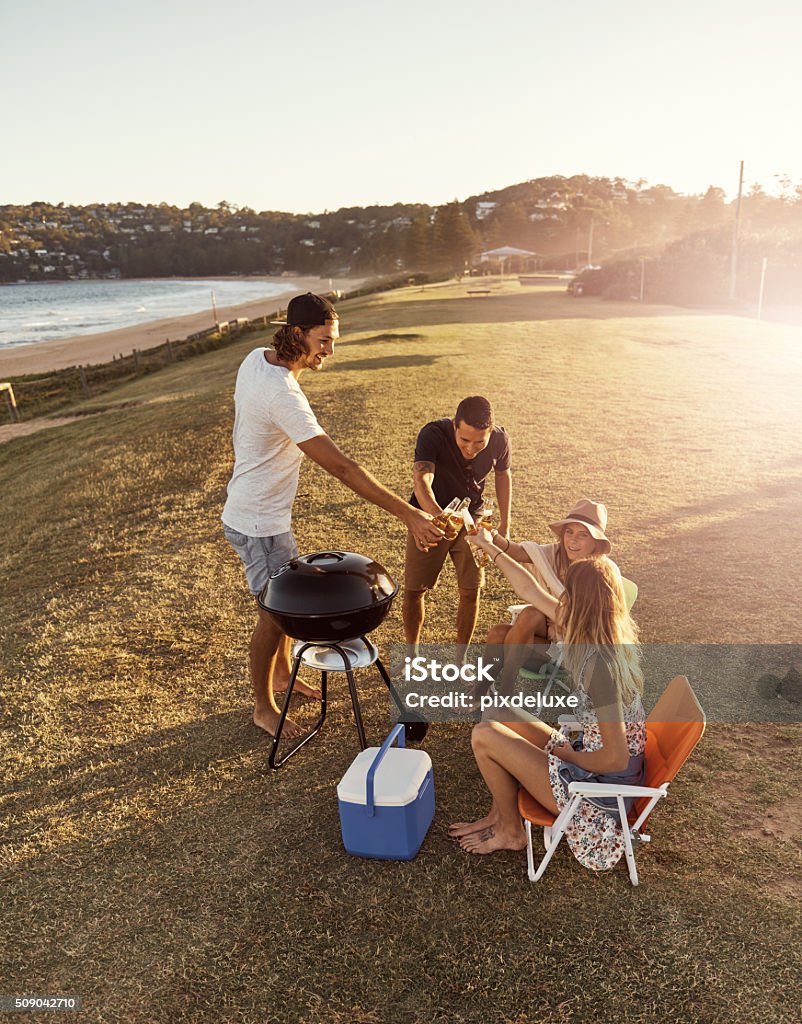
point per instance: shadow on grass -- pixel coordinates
(784, 495)
(407, 336)
(506, 308)
(235, 901)
(385, 362)
(125, 771)
(194, 746)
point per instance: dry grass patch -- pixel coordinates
(152, 863)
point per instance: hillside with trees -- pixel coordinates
(566, 222)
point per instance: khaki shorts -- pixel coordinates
(422, 568)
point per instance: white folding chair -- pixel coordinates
(673, 729)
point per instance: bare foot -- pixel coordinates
(494, 838)
(280, 686)
(476, 691)
(268, 720)
(464, 828)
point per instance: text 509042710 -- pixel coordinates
(22, 1003)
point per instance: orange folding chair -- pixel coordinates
(673, 729)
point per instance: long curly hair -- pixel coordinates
(595, 615)
(290, 342)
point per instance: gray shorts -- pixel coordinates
(261, 555)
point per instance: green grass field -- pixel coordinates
(151, 862)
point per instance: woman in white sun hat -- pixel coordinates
(581, 534)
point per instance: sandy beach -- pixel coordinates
(86, 349)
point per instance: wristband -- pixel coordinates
(493, 559)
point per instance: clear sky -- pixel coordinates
(310, 105)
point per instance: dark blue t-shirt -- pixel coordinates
(454, 475)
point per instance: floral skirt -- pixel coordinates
(594, 836)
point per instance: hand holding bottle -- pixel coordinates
(482, 521)
(482, 539)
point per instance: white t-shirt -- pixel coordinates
(272, 417)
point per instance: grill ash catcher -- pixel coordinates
(329, 601)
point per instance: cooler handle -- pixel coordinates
(397, 732)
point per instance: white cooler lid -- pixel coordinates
(397, 781)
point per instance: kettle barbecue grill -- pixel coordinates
(329, 601)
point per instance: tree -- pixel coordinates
(418, 254)
(454, 242)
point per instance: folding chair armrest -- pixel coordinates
(602, 789)
(515, 610)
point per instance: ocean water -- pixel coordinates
(35, 312)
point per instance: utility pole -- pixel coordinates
(590, 242)
(642, 275)
(734, 258)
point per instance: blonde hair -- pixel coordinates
(595, 615)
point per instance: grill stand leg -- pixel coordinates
(415, 727)
(360, 728)
(275, 763)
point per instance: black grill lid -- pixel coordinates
(327, 582)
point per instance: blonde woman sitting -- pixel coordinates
(602, 656)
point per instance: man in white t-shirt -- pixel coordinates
(274, 427)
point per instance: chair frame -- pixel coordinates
(677, 691)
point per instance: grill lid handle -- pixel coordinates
(325, 556)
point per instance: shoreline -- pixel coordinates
(86, 349)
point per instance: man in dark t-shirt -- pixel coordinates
(453, 458)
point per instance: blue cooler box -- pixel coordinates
(386, 800)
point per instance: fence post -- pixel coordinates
(84, 382)
(170, 355)
(136, 360)
(762, 286)
(11, 401)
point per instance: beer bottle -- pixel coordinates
(443, 521)
(456, 519)
(484, 518)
